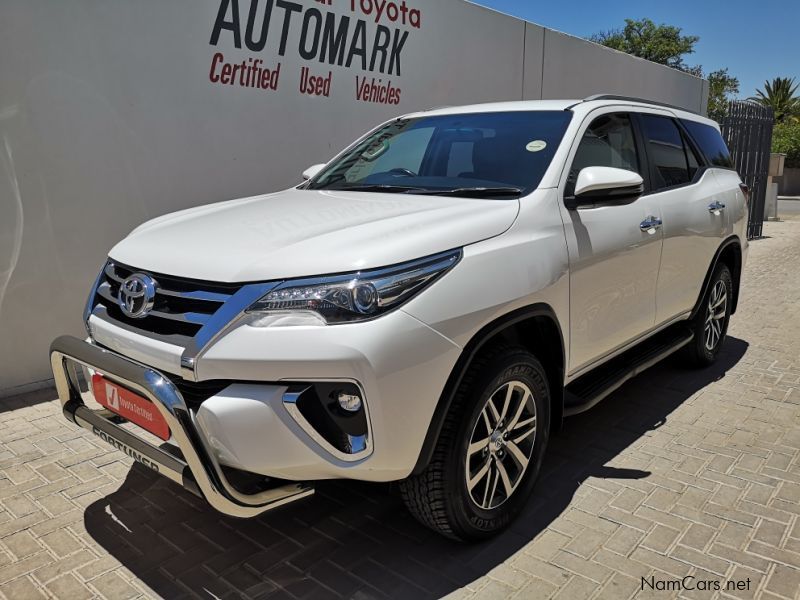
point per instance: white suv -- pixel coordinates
(425, 308)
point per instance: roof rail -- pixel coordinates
(634, 99)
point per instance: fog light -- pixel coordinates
(349, 402)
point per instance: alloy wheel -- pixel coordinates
(715, 316)
(501, 445)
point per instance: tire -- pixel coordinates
(440, 497)
(710, 325)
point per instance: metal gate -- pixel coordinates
(747, 130)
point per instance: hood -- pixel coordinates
(301, 233)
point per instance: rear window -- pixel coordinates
(710, 143)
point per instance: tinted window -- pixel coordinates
(608, 142)
(691, 157)
(440, 153)
(666, 150)
(710, 142)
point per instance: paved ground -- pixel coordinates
(679, 473)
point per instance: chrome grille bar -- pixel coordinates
(188, 313)
(104, 291)
(196, 295)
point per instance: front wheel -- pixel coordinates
(490, 449)
(710, 326)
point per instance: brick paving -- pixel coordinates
(679, 473)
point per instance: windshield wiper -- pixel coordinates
(467, 192)
(385, 188)
(474, 192)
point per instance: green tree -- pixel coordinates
(780, 96)
(786, 139)
(721, 86)
(663, 44)
(666, 45)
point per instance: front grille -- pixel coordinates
(197, 392)
(182, 306)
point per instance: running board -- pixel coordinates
(586, 391)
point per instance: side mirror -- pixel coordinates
(605, 186)
(312, 171)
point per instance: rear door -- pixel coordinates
(613, 261)
(686, 193)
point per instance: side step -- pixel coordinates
(586, 391)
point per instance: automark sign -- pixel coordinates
(366, 37)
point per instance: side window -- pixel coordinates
(691, 158)
(608, 142)
(710, 142)
(667, 152)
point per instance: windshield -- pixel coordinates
(474, 155)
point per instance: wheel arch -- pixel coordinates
(729, 253)
(534, 327)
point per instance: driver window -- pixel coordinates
(608, 142)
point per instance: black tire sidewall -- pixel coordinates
(471, 521)
(706, 356)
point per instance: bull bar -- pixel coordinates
(195, 467)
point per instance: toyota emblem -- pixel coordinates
(137, 295)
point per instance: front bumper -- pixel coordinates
(195, 466)
(400, 364)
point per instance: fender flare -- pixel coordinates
(728, 242)
(475, 345)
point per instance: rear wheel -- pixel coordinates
(489, 451)
(710, 325)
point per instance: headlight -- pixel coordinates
(348, 298)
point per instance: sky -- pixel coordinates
(755, 40)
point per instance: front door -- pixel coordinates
(614, 262)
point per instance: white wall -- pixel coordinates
(108, 118)
(573, 65)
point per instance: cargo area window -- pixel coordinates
(710, 142)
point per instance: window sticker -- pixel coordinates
(536, 146)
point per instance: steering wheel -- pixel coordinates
(403, 171)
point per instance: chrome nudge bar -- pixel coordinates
(197, 469)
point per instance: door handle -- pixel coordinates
(651, 224)
(716, 207)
